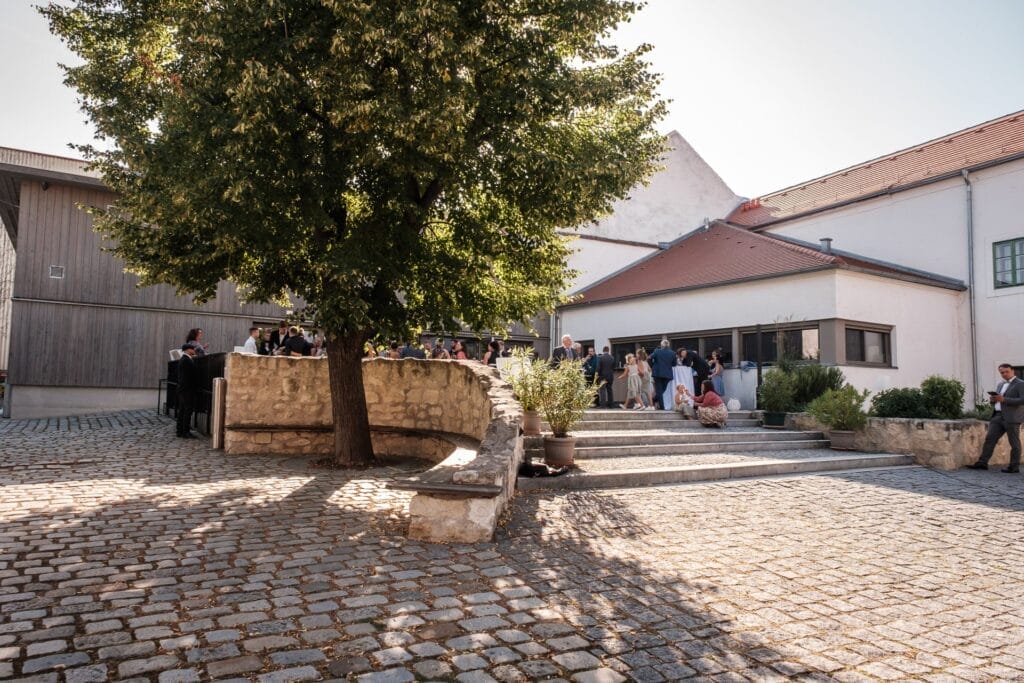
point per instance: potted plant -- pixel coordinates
(566, 396)
(842, 411)
(776, 398)
(528, 377)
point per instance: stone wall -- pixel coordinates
(426, 409)
(942, 444)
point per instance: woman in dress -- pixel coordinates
(717, 370)
(195, 340)
(646, 379)
(631, 373)
(492, 354)
(711, 410)
(459, 350)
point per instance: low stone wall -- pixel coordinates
(425, 409)
(942, 444)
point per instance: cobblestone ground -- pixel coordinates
(125, 553)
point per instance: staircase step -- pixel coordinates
(737, 468)
(688, 449)
(662, 423)
(600, 415)
(699, 435)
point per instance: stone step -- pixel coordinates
(590, 475)
(639, 424)
(603, 414)
(695, 448)
(703, 435)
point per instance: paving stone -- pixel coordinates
(179, 676)
(268, 643)
(469, 661)
(349, 665)
(427, 650)
(96, 673)
(602, 675)
(396, 675)
(45, 647)
(300, 673)
(574, 661)
(290, 657)
(475, 677)
(538, 668)
(432, 669)
(390, 656)
(59, 661)
(134, 667)
(236, 665)
(210, 654)
(474, 641)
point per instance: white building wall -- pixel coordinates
(801, 297)
(597, 259)
(1000, 312)
(929, 330)
(924, 228)
(676, 200)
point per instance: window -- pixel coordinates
(620, 349)
(1008, 263)
(867, 346)
(688, 343)
(800, 344)
(721, 342)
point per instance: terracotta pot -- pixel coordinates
(559, 451)
(842, 440)
(531, 423)
(774, 420)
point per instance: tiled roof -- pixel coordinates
(985, 143)
(723, 254)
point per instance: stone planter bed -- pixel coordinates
(941, 444)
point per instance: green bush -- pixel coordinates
(811, 380)
(528, 378)
(566, 396)
(982, 411)
(775, 394)
(902, 402)
(944, 397)
(840, 410)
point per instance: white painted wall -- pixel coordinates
(1000, 313)
(596, 259)
(923, 228)
(676, 200)
(929, 329)
(801, 297)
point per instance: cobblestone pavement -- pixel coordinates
(125, 553)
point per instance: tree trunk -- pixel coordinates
(352, 445)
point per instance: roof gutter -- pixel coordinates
(970, 283)
(883, 193)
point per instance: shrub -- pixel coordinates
(982, 411)
(943, 396)
(528, 378)
(567, 394)
(776, 392)
(900, 403)
(811, 380)
(840, 410)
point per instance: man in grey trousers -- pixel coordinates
(1008, 402)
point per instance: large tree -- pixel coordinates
(396, 165)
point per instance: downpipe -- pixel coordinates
(970, 284)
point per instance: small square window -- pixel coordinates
(57, 272)
(867, 346)
(1008, 263)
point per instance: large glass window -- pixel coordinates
(620, 349)
(1008, 261)
(719, 342)
(802, 344)
(867, 346)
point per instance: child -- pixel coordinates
(632, 375)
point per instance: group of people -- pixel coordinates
(438, 349)
(665, 379)
(285, 341)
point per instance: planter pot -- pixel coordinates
(531, 423)
(842, 440)
(774, 420)
(559, 451)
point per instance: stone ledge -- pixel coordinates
(939, 444)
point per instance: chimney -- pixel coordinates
(826, 245)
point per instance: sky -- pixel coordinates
(770, 92)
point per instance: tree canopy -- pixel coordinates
(397, 165)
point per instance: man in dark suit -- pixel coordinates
(188, 389)
(1007, 415)
(563, 352)
(662, 362)
(700, 366)
(606, 373)
(278, 336)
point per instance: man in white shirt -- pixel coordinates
(1007, 414)
(250, 343)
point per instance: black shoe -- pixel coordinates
(978, 466)
(187, 436)
(1011, 470)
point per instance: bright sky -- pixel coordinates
(770, 93)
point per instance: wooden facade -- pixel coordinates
(6, 290)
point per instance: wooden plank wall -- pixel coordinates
(94, 327)
(6, 289)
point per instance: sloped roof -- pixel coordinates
(986, 143)
(723, 254)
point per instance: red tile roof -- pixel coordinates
(988, 142)
(724, 254)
